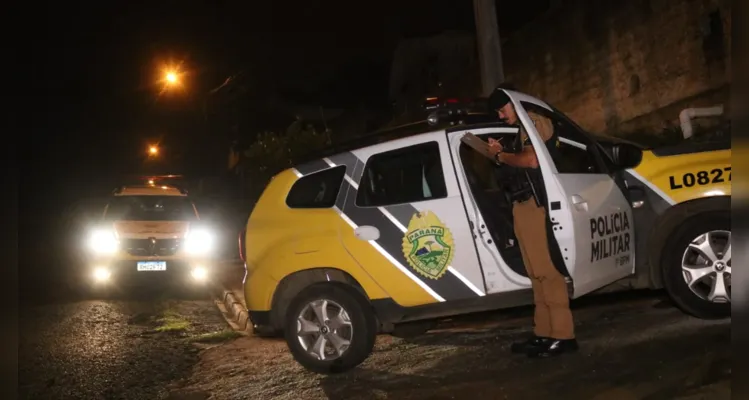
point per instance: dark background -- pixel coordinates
(98, 67)
(96, 102)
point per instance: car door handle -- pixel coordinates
(579, 203)
(367, 232)
(577, 199)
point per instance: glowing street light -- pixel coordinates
(172, 78)
(153, 150)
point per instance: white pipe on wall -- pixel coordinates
(686, 116)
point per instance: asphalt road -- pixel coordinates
(143, 346)
(131, 347)
(633, 347)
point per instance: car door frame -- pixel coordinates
(464, 281)
(498, 275)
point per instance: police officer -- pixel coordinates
(553, 324)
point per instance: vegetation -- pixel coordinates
(171, 321)
(273, 151)
(217, 337)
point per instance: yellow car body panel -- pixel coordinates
(280, 241)
(689, 176)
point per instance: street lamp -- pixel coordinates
(172, 78)
(153, 150)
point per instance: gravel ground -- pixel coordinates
(116, 349)
(637, 348)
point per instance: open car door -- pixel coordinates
(590, 215)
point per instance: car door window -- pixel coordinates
(318, 190)
(576, 153)
(405, 175)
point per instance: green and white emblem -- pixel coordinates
(428, 245)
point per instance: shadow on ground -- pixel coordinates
(658, 365)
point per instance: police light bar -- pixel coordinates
(161, 177)
(152, 180)
(155, 179)
(434, 103)
(453, 110)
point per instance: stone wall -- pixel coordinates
(624, 65)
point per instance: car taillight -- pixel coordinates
(241, 244)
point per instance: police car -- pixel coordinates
(149, 232)
(411, 225)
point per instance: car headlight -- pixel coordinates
(199, 273)
(102, 274)
(103, 241)
(199, 242)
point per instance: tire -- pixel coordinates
(266, 332)
(362, 321)
(671, 264)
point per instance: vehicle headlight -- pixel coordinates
(199, 242)
(102, 274)
(103, 241)
(199, 273)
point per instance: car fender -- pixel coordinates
(672, 219)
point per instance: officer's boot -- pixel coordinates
(528, 345)
(553, 347)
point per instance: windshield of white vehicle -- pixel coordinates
(150, 208)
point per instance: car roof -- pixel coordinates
(399, 132)
(149, 190)
(474, 116)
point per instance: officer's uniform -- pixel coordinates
(553, 318)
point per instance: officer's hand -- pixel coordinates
(495, 146)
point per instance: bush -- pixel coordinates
(272, 152)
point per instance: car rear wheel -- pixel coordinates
(329, 329)
(697, 266)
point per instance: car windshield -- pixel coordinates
(603, 138)
(150, 208)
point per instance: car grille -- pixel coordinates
(150, 247)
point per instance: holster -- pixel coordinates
(523, 188)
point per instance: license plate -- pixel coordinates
(151, 265)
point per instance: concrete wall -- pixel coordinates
(624, 65)
(613, 66)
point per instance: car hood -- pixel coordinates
(151, 229)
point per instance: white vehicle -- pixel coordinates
(151, 231)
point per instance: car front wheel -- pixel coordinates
(697, 266)
(329, 329)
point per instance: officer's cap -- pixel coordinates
(497, 99)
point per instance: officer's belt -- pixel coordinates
(521, 195)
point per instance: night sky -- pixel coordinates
(97, 67)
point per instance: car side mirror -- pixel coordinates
(626, 155)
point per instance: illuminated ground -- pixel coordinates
(635, 348)
(125, 348)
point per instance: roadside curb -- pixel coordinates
(230, 301)
(234, 312)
